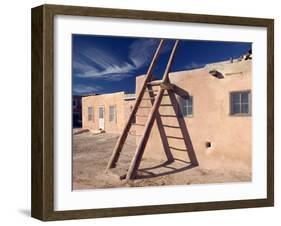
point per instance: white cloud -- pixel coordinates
(104, 64)
(141, 51)
(83, 89)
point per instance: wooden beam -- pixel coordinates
(165, 78)
(140, 149)
(155, 83)
(167, 86)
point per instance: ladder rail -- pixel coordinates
(167, 70)
(121, 140)
(149, 124)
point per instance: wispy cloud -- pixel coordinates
(85, 89)
(104, 64)
(141, 51)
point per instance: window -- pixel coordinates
(112, 113)
(240, 103)
(186, 106)
(90, 114)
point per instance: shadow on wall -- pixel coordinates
(149, 172)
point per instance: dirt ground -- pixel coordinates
(91, 153)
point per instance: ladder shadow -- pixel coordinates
(186, 137)
(147, 172)
(162, 133)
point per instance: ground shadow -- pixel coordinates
(165, 165)
(162, 132)
(182, 125)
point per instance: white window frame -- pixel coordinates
(114, 118)
(92, 114)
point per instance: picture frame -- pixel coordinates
(42, 192)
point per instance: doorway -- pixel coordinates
(101, 117)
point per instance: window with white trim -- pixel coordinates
(112, 113)
(90, 114)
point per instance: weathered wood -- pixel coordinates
(162, 133)
(165, 78)
(155, 83)
(167, 86)
(140, 149)
(120, 142)
(151, 91)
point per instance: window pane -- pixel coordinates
(90, 113)
(184, 111)
(189, 110)
(100, 112)
(186, 105)
(189, 101)
(184, 102)
(235, 108)
(245, 97)
(245, 108)
(181, 107)
(235, 97)
(111, 113)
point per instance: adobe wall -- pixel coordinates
(230, 136)
(104, 100)
(128, 107)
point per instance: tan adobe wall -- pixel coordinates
(105, 100)
(230, 136)
(128, 106)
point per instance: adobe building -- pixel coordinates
(107, 112)
(213, 106)
(209, 106)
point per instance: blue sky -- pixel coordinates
(105, 64)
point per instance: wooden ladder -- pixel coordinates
(164, 84)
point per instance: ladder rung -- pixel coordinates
(173, 137)
(168, 116)
(141, 116)
(137, 124)
(178, 149)
(170, 126)
(154, 83)
(144, 106)
(166, 105)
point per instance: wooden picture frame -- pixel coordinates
(43, 120)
